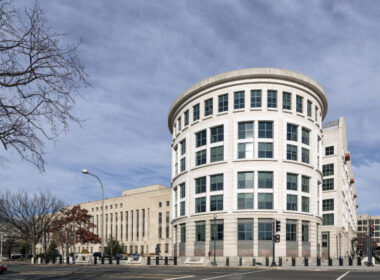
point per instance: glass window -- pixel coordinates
(299, 103)
(255, 98)
(305, 136)
(245, 130)
(291, 152)
(200, 185)
(201, 138)
(328, 169)
(186, 118)
(217, 134)
(183, 146)
(328, 205)
(182, 188)
(265, 229)
(182, 209)
(239, 100)
(272, 99)
(291, 181)
(245, 180)
(196, 112)
(329, 150)
(216, 202)
(245, 150)
(305, 232)
(265, 150)
(305, 155)
(245, 229)
(217, 230)
(183, 233)
(200, 157)
(183, 164)
(291, 202)
(265, 201)
(200, 204)
(265, 180)
(208, 107)
(328, 219)
(291, 132)
(216, 154)
(309, 108)
(316, 113)
(200, 231)
(291, 231)
(328, 184)
(305, 184)
(265, 129)
(223, 103)
(179, 123)
(216, 182)
(286, 100)
(245, 201)
(305, 201)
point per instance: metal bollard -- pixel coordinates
(46, 260)
(318, 261)
(240, 261)
(227, 261)
(359, 261)
(103, 260)
(253, 262)
(53, 259)
(279, 261)
(117, 260)
(95, 260)
(350, 261)
(293, 261)
(175, 261)
(60, 259)
(157, 260)
(148, 261)
(306, 261)
(340, 261)
(110, 260)
(330, 261)
(67, 260)
(166, 260)
(266, 261)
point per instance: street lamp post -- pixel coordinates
(1, 246)
(214, 262)
(85, 171)
(74, 233)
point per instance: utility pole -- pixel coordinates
(369, 241)
(273, 242)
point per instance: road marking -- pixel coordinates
(183, 277)
(341, 277)
(228, 275)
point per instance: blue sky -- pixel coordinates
(140, 55)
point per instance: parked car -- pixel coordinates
(121, 257)
(16, 256)
(135, 257)
(99, 255)
(3, 267)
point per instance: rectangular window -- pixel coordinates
(291, 231)
(196, 112)
(200, 185)
(305, 232)
(183, 146)
(216, 182)
(182, 208)
(291, 152)
(328, 184)
(245, 180)
(309, 108)
(223, 103)
(305, 184)
(305, 201)
(216, 202)
(183, 233)
(291, 202)
(265, 150)
(217, 230)
(239, 101)
(208, 107)
(200, 231)
(265, 180)
(245, 130)
(217, 134)
(328, 219)
(159, 225)
(245, 150)
(265, 201)
(179, 124)
(200, 204)
(255, 98)
(167, 223)
(328, 205)
(183, 164)
(291, 181)
(245, 200)
(265, 229)
(182, 190)
(299, 103)
(245, 229)
(200, 157)
(305, 136)
(305, 155)
(272, 99)
(286, 100)
(291, 132)
(186, 118)
(328, 169)
(316, 113)
(266, 130)
(201, 138)
(217, 154)
(329, 150)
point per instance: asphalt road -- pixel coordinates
(22, 271)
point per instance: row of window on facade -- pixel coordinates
(121, 205)
(239, 103)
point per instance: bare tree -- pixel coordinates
(39, 80)
(29, 216)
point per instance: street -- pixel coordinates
(24, 272)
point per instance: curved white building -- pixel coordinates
(246, 149)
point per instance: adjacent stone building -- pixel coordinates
(363, 223)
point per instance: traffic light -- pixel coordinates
(371, 230)
(277, 238)
(278, 226)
